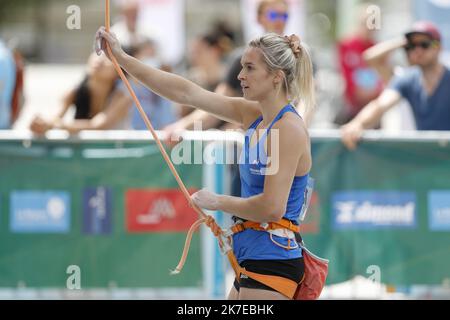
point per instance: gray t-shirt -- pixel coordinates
(430, 112)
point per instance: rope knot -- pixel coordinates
(211, 223)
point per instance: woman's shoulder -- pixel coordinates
(292, 120)
(291, 126)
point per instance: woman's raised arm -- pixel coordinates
(177, 88)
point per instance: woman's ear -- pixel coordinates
(278, 77)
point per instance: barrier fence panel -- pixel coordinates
(109, 206)
(111, 209)
(383, 210)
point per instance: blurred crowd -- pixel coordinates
(372, 84)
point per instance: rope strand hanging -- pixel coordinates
(203, 217)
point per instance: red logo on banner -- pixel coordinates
(158, 210)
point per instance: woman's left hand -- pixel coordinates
(206, 199)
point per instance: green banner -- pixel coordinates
(383, 208)
(382, 211)
(116, 258)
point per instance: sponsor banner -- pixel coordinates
(439, 210)
(97, 210)
(40, 211)
(373, 209)
(158, 210)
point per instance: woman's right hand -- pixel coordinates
(102, 38)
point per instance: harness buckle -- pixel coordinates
(264, 225)
(226, 247)
(227, 233)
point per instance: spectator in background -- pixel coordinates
(126, 27)
(159, 110)
(378, 57)
(96, 94)
(223, 28)
(7, 84)
(205, 58)
(18, 97)
(362, 84)
(425, 86)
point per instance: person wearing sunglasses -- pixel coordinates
(273, 15)
(425, 86)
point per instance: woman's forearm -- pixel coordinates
(253, 208)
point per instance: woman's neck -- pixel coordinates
(271, 107)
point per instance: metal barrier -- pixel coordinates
(382, 211)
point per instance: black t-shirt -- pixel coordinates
(82, 100)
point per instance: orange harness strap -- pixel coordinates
(285, 286)
(281, 224)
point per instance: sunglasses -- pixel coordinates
(274, 16)
(424, 45)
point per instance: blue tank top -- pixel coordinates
(253, 244)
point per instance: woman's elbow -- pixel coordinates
(275, 212)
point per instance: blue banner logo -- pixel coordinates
(42, 212)
(97, 210)
(373, 209)
(439, 210)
